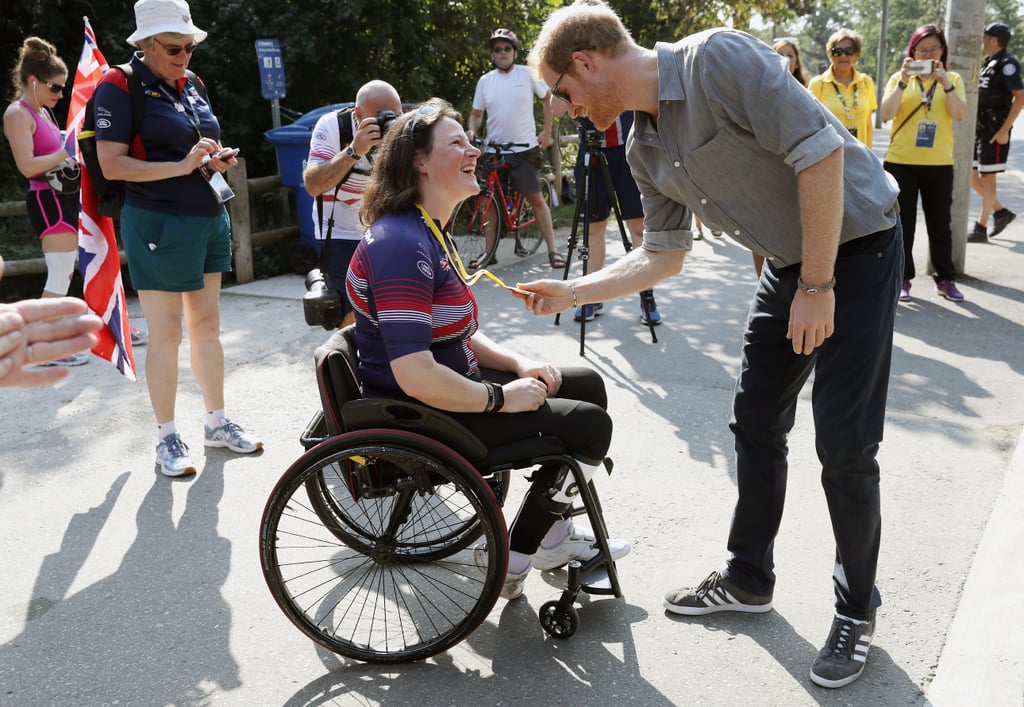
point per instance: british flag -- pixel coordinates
(98, 258)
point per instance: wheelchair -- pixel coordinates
(385, 541)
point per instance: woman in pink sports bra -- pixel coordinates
(35, 139)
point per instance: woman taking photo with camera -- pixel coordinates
(923, 99)
(38, 149)
(174, 226)
(418, 337)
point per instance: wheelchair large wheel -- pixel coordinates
(431, 534)
(375, 602)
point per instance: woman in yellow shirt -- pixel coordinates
(923, 99)
(848, 93)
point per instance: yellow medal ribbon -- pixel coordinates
(456, 261)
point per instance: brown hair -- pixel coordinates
(798, 72)
(588, 25)
(394, 184)
(38, 58)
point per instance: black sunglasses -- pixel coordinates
(176, 49)
(840, 51)
(54, 87)
(503, 49)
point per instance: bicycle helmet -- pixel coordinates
(505, 35)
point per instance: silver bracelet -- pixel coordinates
(572, 290)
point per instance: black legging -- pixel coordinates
(935, 185)
(577, 416)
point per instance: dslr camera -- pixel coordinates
(588, 132)
(321, 305)
(384, 119)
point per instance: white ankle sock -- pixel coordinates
(518, 562)
(216, 418)
(165, 430)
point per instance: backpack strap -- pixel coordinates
(138, 98)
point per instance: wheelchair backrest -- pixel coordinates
(337, 375)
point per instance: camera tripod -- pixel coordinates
(595, 161)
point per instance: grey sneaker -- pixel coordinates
(233, 437)
(1000, 220)
(845, 654)
(715, 593)
(172, 456)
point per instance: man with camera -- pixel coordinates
(336, 174)
(506, 94)
(1000, 100)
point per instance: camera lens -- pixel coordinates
(384, 119)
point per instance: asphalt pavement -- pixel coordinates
(120, 586)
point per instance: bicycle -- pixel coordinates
(479, 222)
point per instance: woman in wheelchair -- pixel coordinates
(417, 335)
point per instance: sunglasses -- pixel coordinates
(423, 113)
(176, 49)
(54, 87)
(840, 51)
(503, 49)
(564, 97)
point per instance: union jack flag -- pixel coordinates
(98, 258)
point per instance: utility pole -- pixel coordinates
(965, 24)
(880, 75)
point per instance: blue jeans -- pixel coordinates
(851, 378)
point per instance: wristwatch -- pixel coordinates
(351, 152)
(815, 289)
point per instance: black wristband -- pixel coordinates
(950, 89)
(499, 397)
(902, 85)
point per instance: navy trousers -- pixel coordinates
(851, 378)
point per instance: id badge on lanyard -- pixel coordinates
(926, 133)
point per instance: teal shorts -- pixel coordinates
(171, 253)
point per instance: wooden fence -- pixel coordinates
(238, 209)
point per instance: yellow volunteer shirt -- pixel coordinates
(903, 146)
(852, 104)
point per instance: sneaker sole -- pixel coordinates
(842, 682)
(187, 471)
(704, 610)
(240, 450)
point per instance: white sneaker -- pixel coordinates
(172, 456)
(233, 437)
(580, 545)
(513, 588)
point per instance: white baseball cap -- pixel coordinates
(153, 17)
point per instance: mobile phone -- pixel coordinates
(921, 67)
(227, 153)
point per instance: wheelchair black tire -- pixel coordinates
(376, 604)
(353, 522)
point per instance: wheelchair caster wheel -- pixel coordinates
(559, 623)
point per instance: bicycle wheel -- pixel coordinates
(528, 235)
(373, 602)
(475, 228)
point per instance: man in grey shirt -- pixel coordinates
(722, 131)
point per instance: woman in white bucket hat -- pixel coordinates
(174, 226)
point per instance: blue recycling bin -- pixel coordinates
(292, 143)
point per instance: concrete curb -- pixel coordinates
(983, 660)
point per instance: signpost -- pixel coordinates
(271, 66)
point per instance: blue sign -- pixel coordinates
(268, 55)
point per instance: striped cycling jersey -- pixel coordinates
(407, 299)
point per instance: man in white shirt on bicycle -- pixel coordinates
(506, 94)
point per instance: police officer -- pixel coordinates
(1000, 100)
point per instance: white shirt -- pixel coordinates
(507, 98)
(325, 144)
